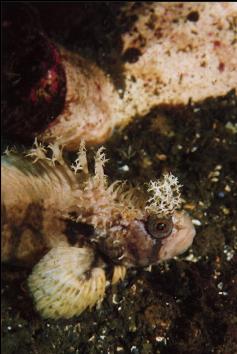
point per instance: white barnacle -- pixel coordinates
(38, 151)
(166, 195)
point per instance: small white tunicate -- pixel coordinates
(196, 222)
(125, 168)
(224, 293)
(161, 339)
(227, 188)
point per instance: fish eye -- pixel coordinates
(159, 227)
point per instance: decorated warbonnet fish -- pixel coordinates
(78, 232)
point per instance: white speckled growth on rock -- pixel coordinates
(185, 51)
(180, 59)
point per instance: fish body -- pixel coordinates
(73, 227)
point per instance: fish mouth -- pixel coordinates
(180, 239)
